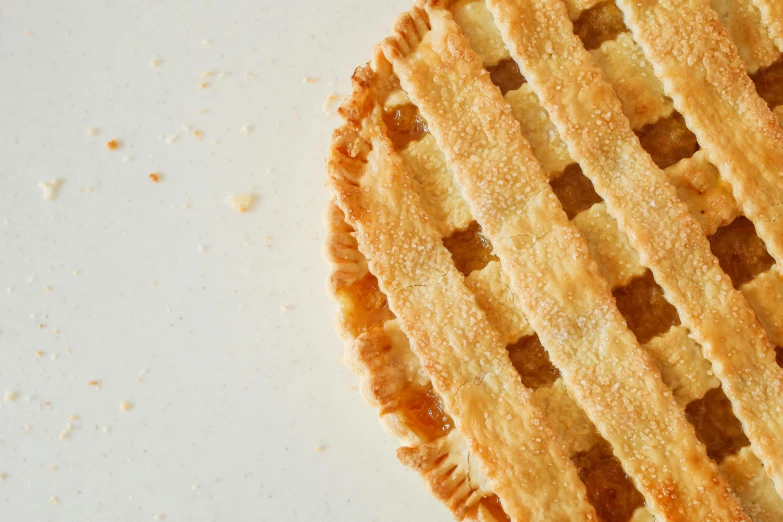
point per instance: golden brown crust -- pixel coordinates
(709, 85)
(379, 351)
(637, 194)
(575, 319)
(415, 271)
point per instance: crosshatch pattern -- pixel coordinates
(394, 380)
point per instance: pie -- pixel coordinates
(555, 242)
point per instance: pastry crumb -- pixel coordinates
(242, 202)
(90, 132)
(245, 130)
(203, 85)
(198, 134)
(330, 103)
(155, 62)
(126, 406)
(155, 177)
(3, 476)
(39, 354)
(127, 159)
(66, 433)
(286, 308)
(202, 248)
(249, 75)
(47, 288)
(50, 189)
(95, 384)
(319, 448)
(159, 517)
(54, 500)
(309, 79)
(194, 487)
(206, 41)
(207, 74)
(113, 144)
(105, 429)
(172, 138)
(10, 396)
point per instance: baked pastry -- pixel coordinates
(556, 250)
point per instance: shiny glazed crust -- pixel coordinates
(377, 215)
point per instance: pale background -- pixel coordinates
(231, 393)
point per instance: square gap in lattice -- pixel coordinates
(740, 251)
(668, 140)
(645, 308)
(599, 24)
(716, 426)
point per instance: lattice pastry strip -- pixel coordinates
(657, 224)
(765, 294)
(439, 194)
(751, 484)
(576, 319)
(707, 81)
(772, 17)
(742, 20)
(632, 77)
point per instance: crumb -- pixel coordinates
(242, 203)
(73, 418)
(127, 159)
(39, 354)
(69, 351)
(203, 85)
(3, 476)
(48, 288)
(53, 468)
(26, 427)
(75, 273)
(203, 111)
(27, 32)
(50, 189)
(159, 517)
(56, 331)
(206, 41)
(353, 387)
(207, 74)
(105, 429)
(10, 396)
(113, 144)
(91, 132)
(154, 62)
(286, 308)
(245, 130)
(155, 177)
(126, 406)
(139, 379)
(185, 206)
(319, 448)
(194, 487)
(277, 124)
(222, 74)
(198, 134)
(53, 356)
(172, 138)
(85, 189)
(54, 500)
(66, 433)
(94, 383)
(202, 248)
(153, 283)
(187, 128)
(330, 102)
(249, 75)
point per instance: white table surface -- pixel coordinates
(231, 393)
